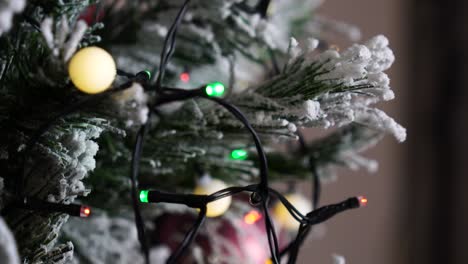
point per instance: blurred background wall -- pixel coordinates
(437, 218)
(373, 235)
(418, 202)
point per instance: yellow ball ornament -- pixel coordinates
(207, 185)
(92, 70)
(282, 215)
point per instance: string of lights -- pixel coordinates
(260, 193)
(167, 53)
(304, 230)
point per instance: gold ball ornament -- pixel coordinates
(92, 70)
(282, 215)
(208, 186)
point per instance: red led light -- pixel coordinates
(185, 77)
(252, 217)
(85, 211)
(362, 201)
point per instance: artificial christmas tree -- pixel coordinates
(195, 83)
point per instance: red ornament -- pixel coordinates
(222, 240)
(89, 14)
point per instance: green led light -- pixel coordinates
(215, 89)
(144, 196)
(149, 74)
(239, 154)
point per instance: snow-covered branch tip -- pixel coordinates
(333, 88)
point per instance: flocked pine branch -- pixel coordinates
(33, 85)
(211, 32)
(340, 148)
(56, 169)
(327, 89)
(104, 239)
(331, 88)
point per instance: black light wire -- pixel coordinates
(258, 145)
(166, 54)
(138, 147)
(189, 237)
(293, 247)
(262, 188)
(135, 166)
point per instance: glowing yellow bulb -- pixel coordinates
(283, 216)
(218, 207)
(252, 217)
(335, 47)
(92, 70)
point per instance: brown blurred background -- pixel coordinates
(417, 209)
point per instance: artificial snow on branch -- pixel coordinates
(8, 8)
(55, 174)
(8, 251)
(332, 87)
(103, 239)
(343, 147)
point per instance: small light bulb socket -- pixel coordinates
(255, 199)
(190, 200)
(326, 212)
(143, 76)
(85, 211)
(362, 201)
(44, 206)
(215, 89)
(239, 154)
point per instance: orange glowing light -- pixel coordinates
(185, 77)
(85, 211)
(362, 201)
(335, 47)
(252, 217)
